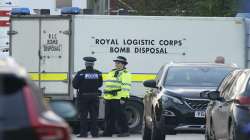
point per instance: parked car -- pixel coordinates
(173, 100)
(23, 114)
(228, 113)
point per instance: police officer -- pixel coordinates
(87, 82)
(116, 93)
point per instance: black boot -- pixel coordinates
(82, 136)
(126, 134)
(106, 135)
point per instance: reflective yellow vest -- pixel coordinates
(121, 82)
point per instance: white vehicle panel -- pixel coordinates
(197, 39)
(25, 43)
(47, 39)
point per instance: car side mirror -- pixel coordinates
(214, 95)
(204, 94)
(150, 83)
(64, 109)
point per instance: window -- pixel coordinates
(224, 84)
(247, 93)
(227, 93)
(159, 75)
(240, 82)
(196, 76)
(234, 86)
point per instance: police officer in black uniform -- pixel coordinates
(87, 82)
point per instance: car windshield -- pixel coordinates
(247, 92)
(196, 76)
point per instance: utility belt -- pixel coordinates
(112, 92)
(97, 93)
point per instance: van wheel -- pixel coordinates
(134, 111)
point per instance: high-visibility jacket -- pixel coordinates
(117, 80)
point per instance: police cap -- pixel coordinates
(89, 59)
(121, 59)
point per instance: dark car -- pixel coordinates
(23, 114)
(173, 100)
(228, 113)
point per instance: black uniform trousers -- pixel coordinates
(88, 104)
(115, 112)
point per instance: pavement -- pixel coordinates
(139, 137)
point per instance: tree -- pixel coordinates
(216, 7)
(183, 7)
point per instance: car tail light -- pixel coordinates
(243, 100)
(44, 129)
(51, 133)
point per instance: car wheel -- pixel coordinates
(232, 132)
(156, 133)
(134, 111)
(146, 132)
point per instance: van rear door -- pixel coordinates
(41, 44)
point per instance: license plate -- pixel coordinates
(199, 114)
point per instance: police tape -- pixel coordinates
(136, 77)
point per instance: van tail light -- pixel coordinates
(243, 100)
(52, 133)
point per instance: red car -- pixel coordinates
(23, 114)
